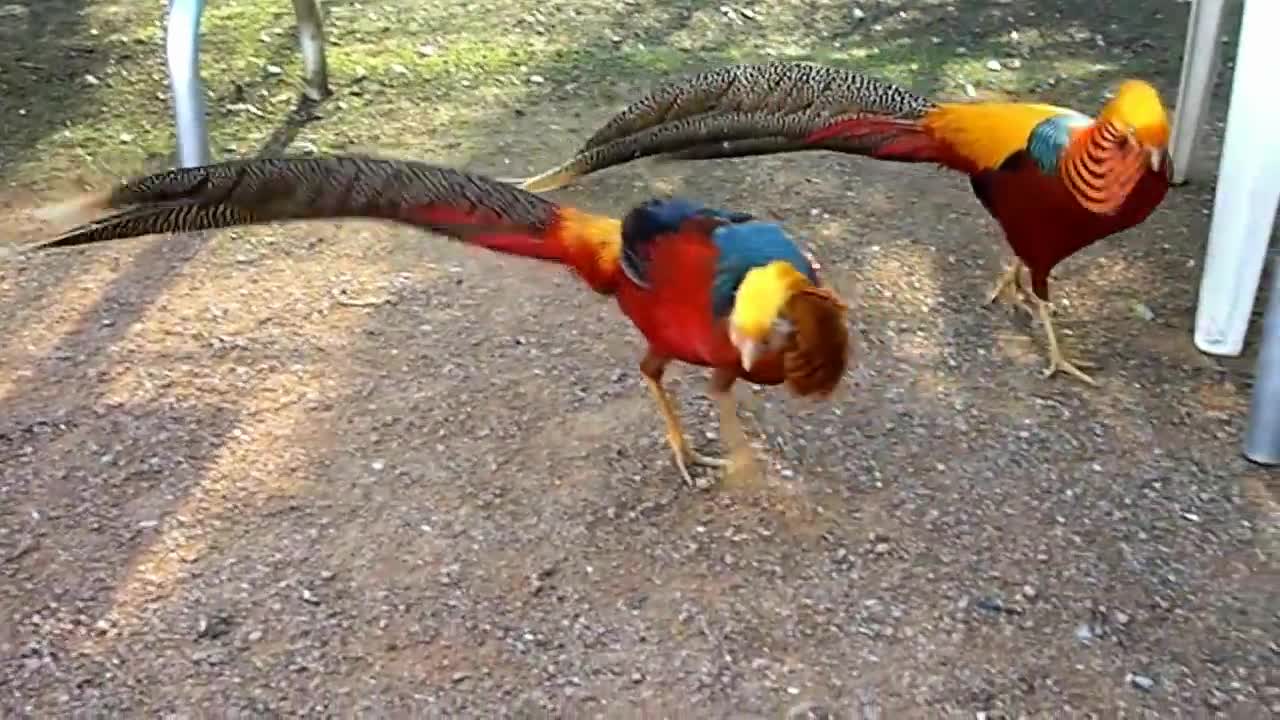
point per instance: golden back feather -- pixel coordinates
(987, 132)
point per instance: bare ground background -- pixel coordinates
(222, 486)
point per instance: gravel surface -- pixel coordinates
(352, 469)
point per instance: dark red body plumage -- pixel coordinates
(1043, 222)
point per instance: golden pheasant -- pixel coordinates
(707, 287)
(1054, 179)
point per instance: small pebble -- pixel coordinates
(213, 628)
(994, 66)
(811, 711)
(1141, 682)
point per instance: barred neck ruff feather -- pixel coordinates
(769, 291)
(1051, 137)
(1104, 162)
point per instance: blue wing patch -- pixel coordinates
(745, 246)
(656, 218)
(1050, 137)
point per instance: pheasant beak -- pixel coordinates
(1155, 152)
(748, 349)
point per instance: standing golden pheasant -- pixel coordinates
(1056, 180)
(707, 287)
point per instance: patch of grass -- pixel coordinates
(438, 78)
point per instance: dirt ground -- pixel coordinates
(348, 469)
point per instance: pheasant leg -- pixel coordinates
(684, 455)
(652, 367)
(1009, 287)
(741, 465)
(1057, 361)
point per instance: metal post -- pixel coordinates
(311, 40)
(1262, 436)
(1199, 68)
(182, 45)
(1248, 193)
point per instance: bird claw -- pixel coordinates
(705, 460)
(696, 484)
(1060, 364)
(686, 457)
(1010, 294)
(738, 465)
(1008, 281)
(1025, 304)
(1009, 290)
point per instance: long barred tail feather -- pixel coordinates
(749, 147)
(246, 192)
(472, 208)
(777, 88)
(740, 110)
